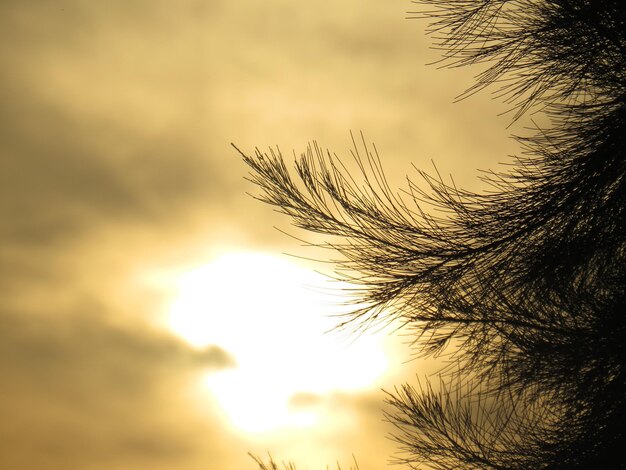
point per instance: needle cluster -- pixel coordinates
(523, 285)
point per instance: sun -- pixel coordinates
(272, 316)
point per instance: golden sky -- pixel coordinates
(130, 269)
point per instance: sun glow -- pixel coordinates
(270, 315)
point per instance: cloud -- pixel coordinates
(104, 123)
(59, 345)
(352, 425)
(83, 392)
(305, 400)
(62, 174)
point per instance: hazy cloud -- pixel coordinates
(305, 400)
(82, 392)
(61, 174)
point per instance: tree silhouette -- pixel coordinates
(272, 465)
(523, 286)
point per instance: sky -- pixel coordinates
(150, 315)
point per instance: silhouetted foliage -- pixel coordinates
(525, 282)
(272, 465)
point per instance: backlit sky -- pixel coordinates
(124, 218)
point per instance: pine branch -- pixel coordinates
(526, 280)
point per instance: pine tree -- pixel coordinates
(523, 286)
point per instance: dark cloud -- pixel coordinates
(61, 174)
(79, 391)
(102, 124)
(58, 348)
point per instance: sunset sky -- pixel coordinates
(150, 317)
